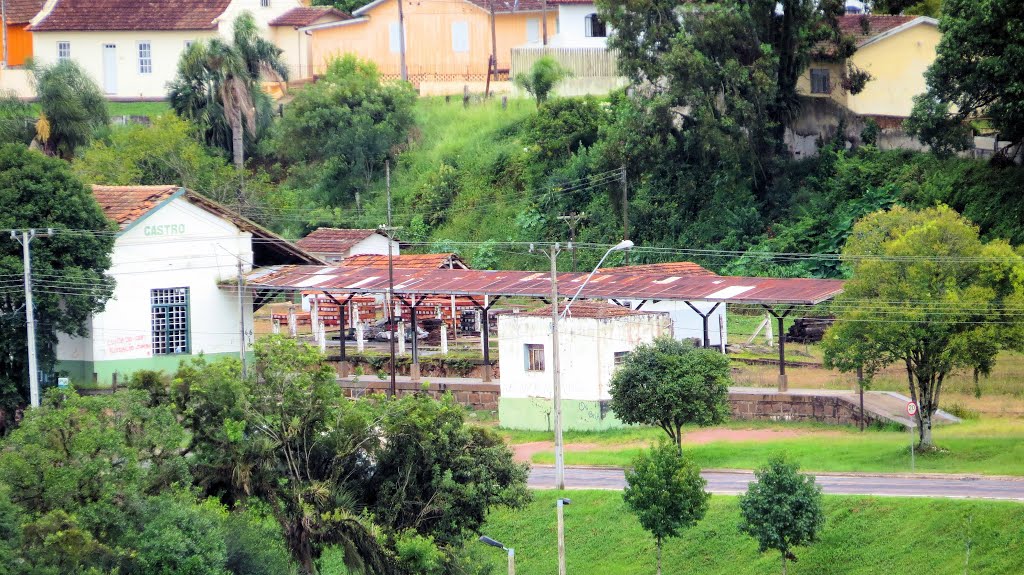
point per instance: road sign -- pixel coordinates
(911, 409)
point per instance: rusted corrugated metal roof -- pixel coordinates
(407, 261)
(591, 310)
(665, 269)
(538, 284)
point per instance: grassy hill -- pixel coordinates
(862, 536)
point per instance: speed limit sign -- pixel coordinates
(911, 408)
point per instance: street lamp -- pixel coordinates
(562, 502)
(511, 552)
(556, 364)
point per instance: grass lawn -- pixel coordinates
(990, 446)
(862, 536)
(151, 109)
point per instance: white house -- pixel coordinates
(173, 250)
(132, 48)
(291, 32)
(593, 339)
(335, 244)
(579, 25)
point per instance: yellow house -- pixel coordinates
(895, 50)
(445, 40)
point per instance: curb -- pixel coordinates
(933, 476)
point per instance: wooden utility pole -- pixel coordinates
(3, 22)
(573, 220)
(544, 22)
(625, 211)
(401, 46)
(241, 320)
(390, 300)
(493, 64)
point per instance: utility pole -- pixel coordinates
(573, 220)
(401, 46)
(556, 370)
(241, 321)
(30, 321)
(494, 47)
(390, 300)
(625, 210)
(3, 17)
(544, 22)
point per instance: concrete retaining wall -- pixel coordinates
(792, 407)
(482, 396)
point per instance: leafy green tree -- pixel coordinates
(543, 76)
(218, 87)
(671, 384)
(341, 129)
(914, 7)
(976, 75)
(17, 120)
(950, 296)
(68, 267)
(564, 125)
(782, 509)
(346, 6)
(666, 492)
(72, 108)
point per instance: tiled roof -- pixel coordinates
(86, 15)
(508, 6)
(333, 240)
(21, 11)
(125, 204)
(407, 261)
(679, 269)
(306, 15)
(864, 27)
(590, 309)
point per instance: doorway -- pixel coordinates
(110, 68)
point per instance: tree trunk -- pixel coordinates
(783, 564)
(237, 142)
(926, 430)
(659, 555)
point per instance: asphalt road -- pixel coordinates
(735, 482)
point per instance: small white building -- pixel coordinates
(173, 251)
(335, 244)
(292, 33)
(579, 26)
(593, 339)
(132, 48)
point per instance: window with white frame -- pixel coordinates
(532, 30)
(620, 357)
(170, 320)
(820, 81)
(264, 3)
(145, 57)
(460, 36)
(593, 27)
(534, 356)
(63, 51)
(393, 31)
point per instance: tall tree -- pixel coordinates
(72, 108)
(671, 384)
(782, 509)
(666, 492)
(68, 267)
(927, 293)
(218, 87)
(978, 75)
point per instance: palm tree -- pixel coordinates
(71, 108)
(217, 87)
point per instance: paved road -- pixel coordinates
(734, 482)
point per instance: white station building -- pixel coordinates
(594, 338)
(173, 254)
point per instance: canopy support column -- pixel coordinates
(341, 320)
(705, 318)
(780, 317)
(414, 367)
(485, 335)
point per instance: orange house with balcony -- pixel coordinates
(19, 39)
(445, 40)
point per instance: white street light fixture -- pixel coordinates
(511, 552)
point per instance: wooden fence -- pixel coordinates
(582, 62)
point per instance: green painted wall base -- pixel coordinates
(536, 414)
(81, 372)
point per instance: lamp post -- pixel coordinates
(555, 360)
(511, 552)
(562, 502)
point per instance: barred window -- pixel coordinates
(264, 3)
(534, 353)
(63, 51)
(593, 27)
(820, 82)
(145, 58)
(620, 357)
(170, 320)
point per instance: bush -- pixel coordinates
(542, 78)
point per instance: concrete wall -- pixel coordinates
(477, 396)
(572, 28)
(203, 252)
(790, 407)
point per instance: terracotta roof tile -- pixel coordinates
(509, 6)
(306, 15)
(85, 15)
(590, 309)
(21, 11)
(125, 204)
(864, 27)
(333, 240)
(407, 261)
(680, 269)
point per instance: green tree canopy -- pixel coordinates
(671, 384)
(977, 76)
(68, 267)
(782, 509)
(340, 130)
(542, 78)
(72, 106)
(666, 492)
(928, 293)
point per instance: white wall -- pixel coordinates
(87, 50)
(572, 30)
(686, 323)
(262, 15)
(375, 244)
(587, 352)
(200, 252)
